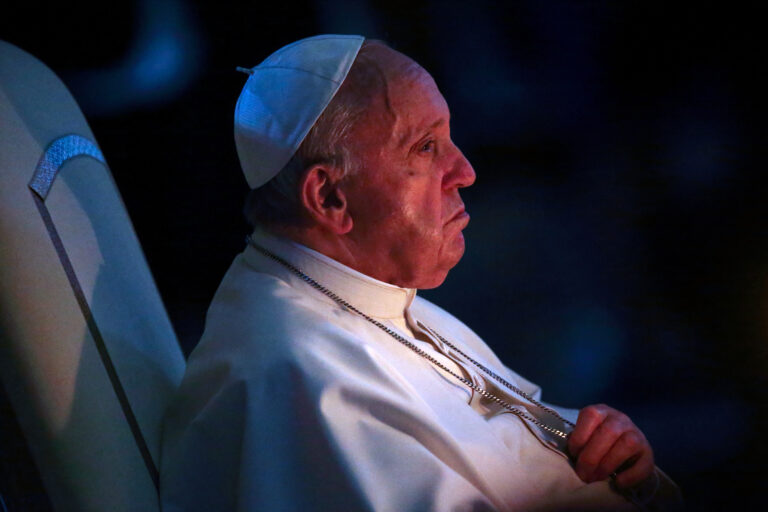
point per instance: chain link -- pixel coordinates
(502, 381)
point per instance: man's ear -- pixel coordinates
(324, 199)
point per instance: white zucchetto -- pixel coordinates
(284, 96)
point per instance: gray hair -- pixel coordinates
(277, 202)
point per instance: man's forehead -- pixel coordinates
(406, 103)
(418, 106)
(409, 133)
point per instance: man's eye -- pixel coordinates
(428, 146)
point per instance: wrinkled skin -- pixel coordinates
(404, 200)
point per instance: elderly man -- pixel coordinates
(322, 382)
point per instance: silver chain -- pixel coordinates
(506, 384)
(490, 396)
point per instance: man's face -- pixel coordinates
(404, 199)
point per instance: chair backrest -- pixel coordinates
(88, 356)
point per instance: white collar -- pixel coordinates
(373, 297)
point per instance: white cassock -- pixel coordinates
(292, 402)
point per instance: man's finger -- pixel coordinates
(627, 448)
(589, 419)
(639, 472)
(599, 445)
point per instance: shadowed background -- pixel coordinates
(618, 248)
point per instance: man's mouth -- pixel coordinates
(460, 215)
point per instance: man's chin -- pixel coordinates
(455, 251)
(448, 262)
(429, 285)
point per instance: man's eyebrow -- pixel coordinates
(409, 135)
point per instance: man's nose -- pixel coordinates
(461, 173)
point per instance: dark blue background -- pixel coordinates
(617, 250)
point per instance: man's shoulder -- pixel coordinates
(256, 316)
(252, 298)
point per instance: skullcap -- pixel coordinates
(284, 96)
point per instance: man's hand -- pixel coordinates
(604, 441)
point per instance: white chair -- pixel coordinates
(88, 356)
